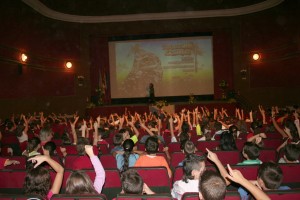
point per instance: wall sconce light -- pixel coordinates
(24, 57)
(243, 74)
(69, 65)
(256, 56)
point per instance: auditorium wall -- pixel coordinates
(48, 87)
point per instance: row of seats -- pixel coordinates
(108, 160)
(15, 178)
(274, 195)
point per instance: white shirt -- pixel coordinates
(180, 187)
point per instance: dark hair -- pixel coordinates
(271, 174)
(128, 147)
(32, 144)
(189, 147)
(233, 129)
(293, 129)
(19, 130)
(255, 127)
(291, 152)
(185, 127)
(227, 141)
(251, 150)
(184, 136)
(132, 182)
(118, 139)
(79, 183)
(212, 185)
(151, 145)
(190, 163)
(81, 142)
(51, 147)
(37, 181)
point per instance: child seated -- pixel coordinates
(132, 183)
(291, 154)
(193, 167)
(269, 177)
(214, 189)
(251, 154)
(80, 183)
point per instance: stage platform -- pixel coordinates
(106, 110)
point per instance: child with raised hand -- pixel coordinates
(80, 183)
(236, 176)
(38, 180)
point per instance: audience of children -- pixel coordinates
(125, 131)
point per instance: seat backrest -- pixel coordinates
(11, 181)
(231, 195)
(176, 158)
(112, 185)
(227, 157)
(108, 161)
(166, 196)
(174, 147)
(272, 143)
(190, 196)
(103, 148)
(290, 173)
(202, 145)
(267, 155)
(78, 197)
(248, 171)
(156, 178)
(284, 194)
(19, 197)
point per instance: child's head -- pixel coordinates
(81, 142)
(79, 183)
(125, 133)
(132, 182)
(128, 145)
(46, 134)
(188, 147)
(289, 126)
(49, 148)
(250, 151)
(227, 141)
(269, 176)
(118, 139)
(33, 144)
(151, 145)
(291, 152)
(37, 181)
(193, 167)
(212, 186)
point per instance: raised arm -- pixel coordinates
(55, 166)
(263, 114)
(282, 132)
(236, 176)
(99, 170)
(214, 158)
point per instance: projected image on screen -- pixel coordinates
(176, 67)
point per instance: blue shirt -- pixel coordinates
(120, 160)
(245, 195)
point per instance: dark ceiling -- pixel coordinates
(123, 7)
